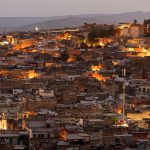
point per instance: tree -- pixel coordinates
(115, 120)
(135, 21)
(81, 39)
(93, 34)
(97, 32)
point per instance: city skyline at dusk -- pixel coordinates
(74, 75)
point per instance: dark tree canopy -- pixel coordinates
(97, 32)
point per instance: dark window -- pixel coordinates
(49, 135)
(42, 135)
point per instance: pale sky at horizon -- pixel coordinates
(46, 8)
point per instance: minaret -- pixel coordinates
(124, 92)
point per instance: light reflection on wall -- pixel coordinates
(95, 73)
(3, 124)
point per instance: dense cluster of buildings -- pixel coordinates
(61, 91)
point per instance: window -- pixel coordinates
(49, 135)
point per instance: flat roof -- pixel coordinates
(74, 137)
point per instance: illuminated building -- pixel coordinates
(65, 36)
(104, 41)
(24, 44)
(20, 74)
(3, 124)
(131, 30)
(96, 68)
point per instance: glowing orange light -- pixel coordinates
(71, 58)
(33, 74)
(114, 63)
(119, 110)
(63, 134)
(96, 67)
(98, 77)
(65, 36)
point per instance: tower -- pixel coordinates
(124, 92)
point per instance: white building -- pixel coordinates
(125, 32)
(46, 94)
(136, 30)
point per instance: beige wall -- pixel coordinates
(139, 116)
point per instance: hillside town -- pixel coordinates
(83, 88)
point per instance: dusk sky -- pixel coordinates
(46, 8)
